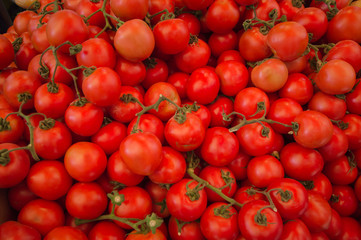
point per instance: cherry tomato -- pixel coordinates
(16, 230)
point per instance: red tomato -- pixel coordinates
(96, 52)
(13, 127)
(16, 230)
(188, 231)
(293, 157)
(220, 106)
(335, 227)
(49, 179)
(327, 104)
(219, 221)
(6, 51)
(238, 165)
(141, 152)
(220, 42)
(233, 76)
(105, 229)
(257, 223)
(183, 206)
(85, 161)
(86, 200)
(264, 170)
(126, 10)
(298, 87)
(86, 8)
(336, 147)
(65, 232)
(350, 229)
(19, 195)
(171, 168)
(137, 204)
(130, 73)
(295, 229)
(347, 50)
(158, 235)
(43, 215)
(21, 21)
(16, 168)
(344, 200)
(341, 171)
(246, 102)
(148, 123)
(253, 45)
(317, 216)
(193, 23)
(353, 130)
(353, 100)
(158, 193)
(134, 40)
(186, 136)
(58, 30)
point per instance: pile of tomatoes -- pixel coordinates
(181, 119)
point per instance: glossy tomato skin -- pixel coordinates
(251, 229)
(49, 179)
(344, 200)
(96, 52)
(334, 229)
(219, 147)
(353, 99)
(19, 195)
(185, 136)
(220, 106)
(137, 204)
(336, 147)
(148, 123)
(65, 232)
(181, 206)
(216, 226)
(52, 143)
(347, 50)
(253, 45)
(189, 231)
(298, 87)
(350, 228)
(105, 229)
(353, 130)
(86, 200)
(126, 10)
(158, 193)
(16, 230)
(327, 104)
(17, 168)
(311, 122)
(58, 30)
(134, 40)
(157, 72)
(293, 157)
(341, 171)
(7, 52)
(85, 161)
(158, 235)
(43, 215)
(15, 130)
(295, 229)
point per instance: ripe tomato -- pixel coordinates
(148, 123)
(246, 102)
(96, 52)
(350, 228)
(64, 232)
(233, 76)
(219, 221)
(334, 229)
(141, 152)
(130, 73)
(43, 215)
(19, 195)
(293, 157)
(126, 10)
(353, 100)
(298, 87)
(344, 200)
(186, 136)
(85, 161)
(221, 105)
(16, 230)
(253, 45)
(327, 104)
(86, 8)
(49, 179)
(295, 229)
(184, 203)
(257, 222)
(86, 200)
(6, 52)
(58, 30)
(134, 40)
(353, 130)
(341, 171)
(347, 50)
(189, 230)
(105, 229)
(158, 235)
(220, 42)
(15, 128)
(336, 147)
(158, 193)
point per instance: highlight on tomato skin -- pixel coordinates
(180, 119)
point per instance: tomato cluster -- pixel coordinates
(181, 119)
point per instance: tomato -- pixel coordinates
(298, 87)
(193, 23)
(295, 229)
(353, 130)
(246, 194)
(311, 122)
(350, 229)
(197, 5)
(43, 215)
(233, 76)
(219, 147)
(246, 102)
(158, 235)
(49, 179)
(19, 83)
(219, 221)
(346, 50)
(130, 73)
(156, 6)
(186, 136)
(353, 100)
(183, 206)
(16, 230)
(344, 200)
(228, 55)
(58, 30)
(84, 120)
(336, 147)
(335, 227)
(126, 10)
(16, 169)
(264, 170)
(220, 42)
(188, 230)
(137, 204)
(148, 123)
(263, 9)
(293, 157)
(166, 109)
(110, 136)
(238, 165)
(220, 106)
(289, 9)
(157, 71)
(65, 232)
(253, 45)
(222, 16)
(256, 139)
(19, 195)
(158, 193)
(84, 227)
(141, 152)
(134, 40)
(317, 216)
(342, 26)
(86, 200)
(6, 51)
(314, 20)
(21, 21)
(13, 128)
(357, 188)
(196, 55)
(257, 223)
(329, 82)
(96, 52)
(171, 168)
(270, 76)
(171, 43)
(327, 104)
(341, 171)
(105, 229)
(85, 161)
(86, 8)
(119, 172)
